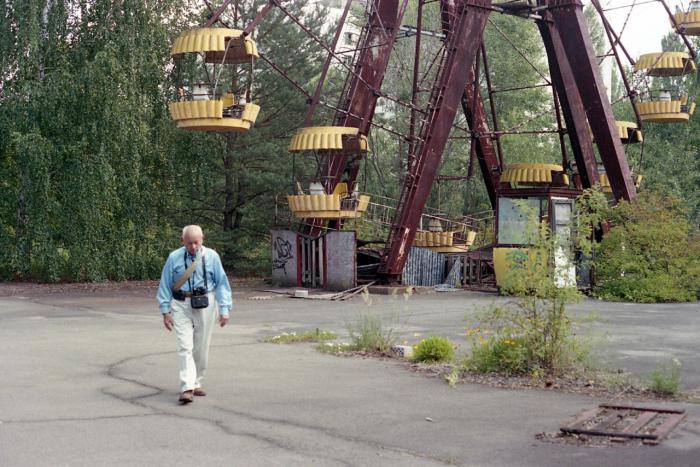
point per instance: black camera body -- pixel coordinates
(199, 299)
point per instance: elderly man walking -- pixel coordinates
(193, 285)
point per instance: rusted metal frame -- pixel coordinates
(215, 17)
(678, 30)
(520, 88)
(522, 55)
(571, 105)
(360, 49)
(665, 428)
(620, 7)
(481, 136)
(412, 31)
(323, 103)
(212, 11)
(630, 92)
(318, 40)
(381, 63)
(674, 417)
(642, 408)
(570, 24)
(438, 56)
(416, 73)
(617, 434)
(462, 49)
(371, 69)
(505, 11)
(363, 91)
(560, 129)
(259, 17)
(474, 99)
(326, 66)
(494, 134)
(492, 106)
(642, 419)
(611, 32)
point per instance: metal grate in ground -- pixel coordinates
(624, 422)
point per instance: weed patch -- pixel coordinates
(369, 334)
(666, 379)
(315, 335)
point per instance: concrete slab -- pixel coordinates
(90, 379)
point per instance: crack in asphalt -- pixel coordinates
(76, 419)
(112, 371)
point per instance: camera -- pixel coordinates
(199, 299)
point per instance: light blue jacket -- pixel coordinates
(216, 278)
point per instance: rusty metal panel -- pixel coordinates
(340, 263)
(424, 267)
(285, 260)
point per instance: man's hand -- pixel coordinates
(168, 321)
(223, 320)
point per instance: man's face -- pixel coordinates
(192, 241)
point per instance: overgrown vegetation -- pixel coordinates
(650, 254)
(434, 349)
(665, 380)
(315, 335)
(534, 334)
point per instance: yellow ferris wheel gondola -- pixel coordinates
(666, 108)
(200, 105)
(665, 64)
(688, 22)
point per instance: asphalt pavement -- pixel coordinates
(90, 378)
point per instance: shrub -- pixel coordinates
(434, 349)
(501, 355)
(666, 379)
(649, 255)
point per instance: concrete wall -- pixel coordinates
(285, 260)
(340, 260)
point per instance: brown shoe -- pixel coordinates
(186, 397)
(199, 392)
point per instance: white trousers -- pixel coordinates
(193, 328)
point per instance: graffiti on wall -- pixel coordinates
(282, 253)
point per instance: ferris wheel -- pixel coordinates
(449, 76)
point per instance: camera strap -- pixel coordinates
(188, 272)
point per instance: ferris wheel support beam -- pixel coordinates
(462, 48)
(568, 24)
(473, 107)
(572, 107)
(363, 92)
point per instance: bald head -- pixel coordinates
(192, 238)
